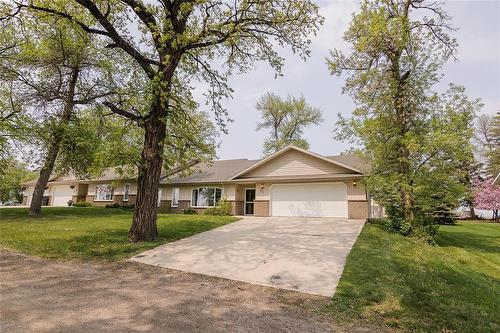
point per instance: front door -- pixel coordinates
(249, 199)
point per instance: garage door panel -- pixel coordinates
(61, 195)
(310, 200)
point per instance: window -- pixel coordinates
(175, 196)
(103, 192)
(126, 192)
(205, 196)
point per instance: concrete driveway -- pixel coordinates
(302, 254)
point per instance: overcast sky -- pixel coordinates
(477, 68)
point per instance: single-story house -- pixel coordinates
(291, 182)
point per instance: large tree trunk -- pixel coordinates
(53, 151)
(146, 206)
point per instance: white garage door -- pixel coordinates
(315, 200)
(61, 194)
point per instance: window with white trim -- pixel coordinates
(205, 196)
(175, 196)
(103, 192)
(126, 191)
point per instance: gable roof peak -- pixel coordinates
(292, 147)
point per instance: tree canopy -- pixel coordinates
(286, 121)
(176, 43)
(417, 138)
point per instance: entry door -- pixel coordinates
(249, 199)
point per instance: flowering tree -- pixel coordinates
(487, 196)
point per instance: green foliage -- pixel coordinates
(12, 174)
(223, 208)
(93, 233)
(286, 120)
(410, 286)
(82, 204)
(418, 140)
(190, 211)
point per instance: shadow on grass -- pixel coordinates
(466, 240)
(407, 284)
(49, 212)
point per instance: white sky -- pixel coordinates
(477, 68)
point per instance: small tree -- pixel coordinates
(286, 120)
(487, 196)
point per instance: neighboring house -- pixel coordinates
(291, 182)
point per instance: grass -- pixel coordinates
(411, 286)
(91, 233)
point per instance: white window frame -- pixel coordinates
(174, 189)
(112, 193)
(215, 199)
(126, 191)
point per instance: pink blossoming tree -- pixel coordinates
(487, 196)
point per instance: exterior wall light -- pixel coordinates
(354, 183)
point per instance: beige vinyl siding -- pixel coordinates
(118, 187)
(355, 192)
(295, 163)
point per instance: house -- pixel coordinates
(291, 182)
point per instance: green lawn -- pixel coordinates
(415, 287)
(91, 233)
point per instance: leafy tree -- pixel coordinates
(50, 73)
(12, 174)
(416, 138)
(487, 196)
(175, 43)
(487, 142)
(286, 120)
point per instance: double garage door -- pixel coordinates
(311, 200)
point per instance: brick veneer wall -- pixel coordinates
(357, 209)
(166, 207)
(261, 208)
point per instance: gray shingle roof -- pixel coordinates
(219, 171)
(353, 161)
(223, 170)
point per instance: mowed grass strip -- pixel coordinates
(415, 287)
(91, 233)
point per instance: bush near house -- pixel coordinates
(223, 208)
(82, 204)
(189, 211)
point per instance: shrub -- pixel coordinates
(113, 205)
(189, 211)
(425, 228)
(128, 206)
(443, 214)
(223, 208)
(398, 225)
(82, 204)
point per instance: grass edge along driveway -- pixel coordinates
(91, 233)
(415, 287)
